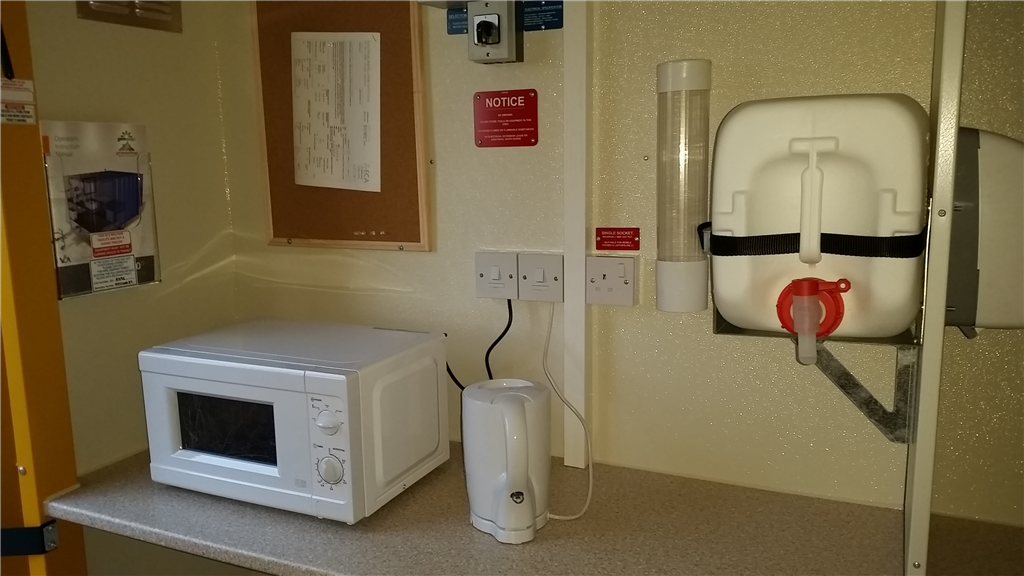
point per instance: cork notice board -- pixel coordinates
(396, 218)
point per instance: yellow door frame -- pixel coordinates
(33, 352)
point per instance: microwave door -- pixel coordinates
(227, 427)
(235, 440)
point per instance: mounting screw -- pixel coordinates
(401, 247)
(626, 282)
(431, 161)
(289, 240)
(556, 278)
(488, 54)
(917, 564)
(942, 213)
(592, 280)
(524, 276)
(479, 142)
(50, 544)
(481, 274)
(645, 158)
(510, 276)
(22, 471)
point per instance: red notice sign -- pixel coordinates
(618, 238)
(505, 118)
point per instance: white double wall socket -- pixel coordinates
(611, 280)
(541, 277)
(496, 275)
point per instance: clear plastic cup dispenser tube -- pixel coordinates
(684, 98)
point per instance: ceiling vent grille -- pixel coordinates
(153, 15)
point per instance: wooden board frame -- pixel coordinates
(424, 242)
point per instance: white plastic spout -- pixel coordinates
(806, 321)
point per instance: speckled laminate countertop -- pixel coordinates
(639, 523)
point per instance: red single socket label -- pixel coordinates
(505, 118)
(618, 238)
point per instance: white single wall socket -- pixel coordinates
(611, 280)
(496, 275)
(541, 277)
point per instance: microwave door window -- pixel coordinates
(227, 427)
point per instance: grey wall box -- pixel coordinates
(495, 34)
(164, 16)
(986, 265)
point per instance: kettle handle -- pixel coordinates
(517, 507)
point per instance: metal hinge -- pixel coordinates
(29, 541)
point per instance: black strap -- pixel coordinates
(838, 244)
(27, 541)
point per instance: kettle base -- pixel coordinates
(509, 536)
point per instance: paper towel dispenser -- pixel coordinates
(986, 260)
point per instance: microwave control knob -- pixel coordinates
(331, 469)
(327, 422)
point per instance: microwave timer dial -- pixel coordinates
(328, 423)
(331, 469)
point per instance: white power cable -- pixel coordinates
(586, 429)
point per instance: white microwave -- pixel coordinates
(328, 420)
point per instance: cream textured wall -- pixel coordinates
(750, 419)
(979, 471)
(668, 395)
(505, 199)
(88, 71)
(755, 417)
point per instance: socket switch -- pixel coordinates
(541, 277)
(495, 275)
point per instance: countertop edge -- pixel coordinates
(641, 522)
(194, 546)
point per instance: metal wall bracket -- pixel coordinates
(29, 541)
(897, 424)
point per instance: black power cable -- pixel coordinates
(452, 374)
(454, 379)
(487, 357)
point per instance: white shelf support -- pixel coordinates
(947, 69)
(575, 120)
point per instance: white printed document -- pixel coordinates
(336, 109)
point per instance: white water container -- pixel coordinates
(825, 168)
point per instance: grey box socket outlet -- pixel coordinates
(495, 35)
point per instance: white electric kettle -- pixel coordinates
(506, 441)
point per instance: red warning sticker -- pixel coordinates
(618, 238)
(111, 243)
